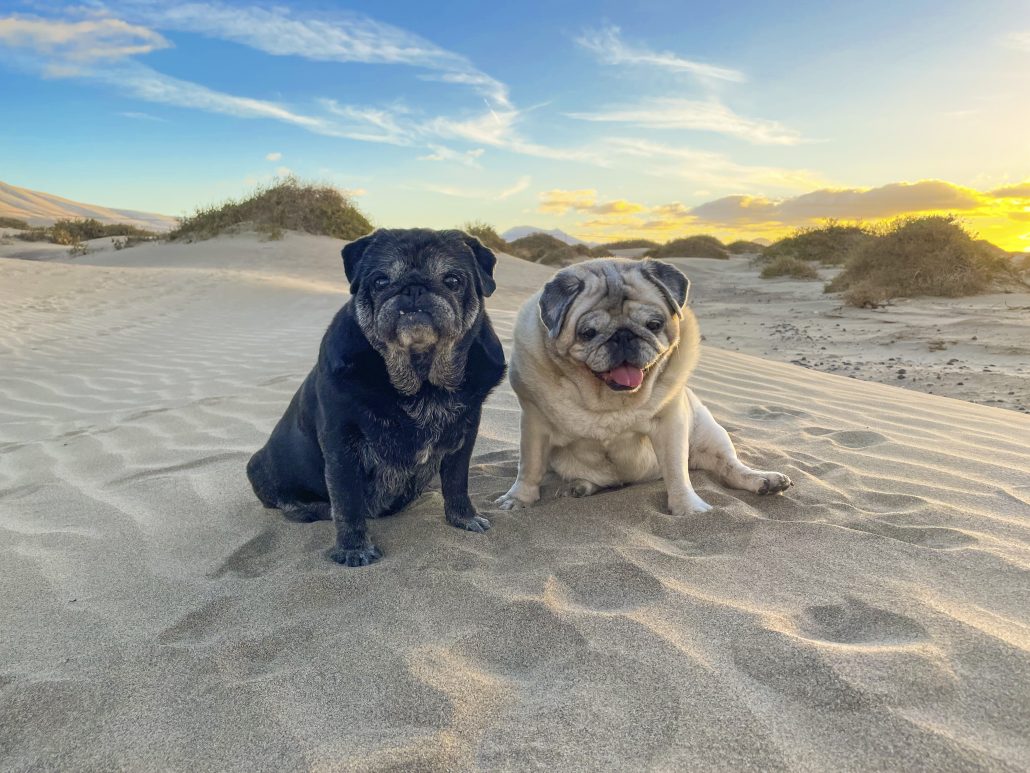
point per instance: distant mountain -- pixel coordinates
(44, 208)
(522, 231)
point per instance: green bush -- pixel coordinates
(930, 255)
(830, 245)
(701, 246)
(785, 265)
(287, 204)
(13, 222)
(487, 234)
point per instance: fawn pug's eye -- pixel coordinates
(654, 325)
(587, 333)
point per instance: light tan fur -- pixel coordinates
(593, 437)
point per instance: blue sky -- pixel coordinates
(606, 119)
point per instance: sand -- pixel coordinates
(156, 617)
(975, 348)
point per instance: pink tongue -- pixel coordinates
(627, 376)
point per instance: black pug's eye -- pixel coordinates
(380, 283)
(587, 333)
(654, 325)
(452, 281)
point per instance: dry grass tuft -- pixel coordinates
(72, 232)
(744, 247)
(286, 204)
(543, 248)
(629, 244)
(701, 246)
(931, 255)
(830, 244)
(786, 265)
(487, 234)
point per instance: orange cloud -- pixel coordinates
(999, 215)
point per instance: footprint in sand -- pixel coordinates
(609, 583)
(774, 413)
(199, 624)
(857, 623)
(848, 438)
(704, 536)
(521, 635)
(253, 558)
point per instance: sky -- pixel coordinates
(609, 120)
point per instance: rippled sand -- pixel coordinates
(155, 616)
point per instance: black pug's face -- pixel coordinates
(418, 291)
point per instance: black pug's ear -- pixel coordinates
(672, 283)
(485, 262)
(352, 254)
(556, 299)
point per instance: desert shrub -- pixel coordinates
(487, 234)
(70, 232)
(586, 252)
(131, 241)
(77, 249)
(701, 246)
(744, 247)
(287, 204)
(629, 244)
(830, 244)
(930, 255)
(786, 265)
(13, 222)
(37, 234)
(543, 248)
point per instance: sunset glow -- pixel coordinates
(665, 120)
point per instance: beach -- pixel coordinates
(156, 617)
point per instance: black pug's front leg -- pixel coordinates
(343, 478)
(454, 484)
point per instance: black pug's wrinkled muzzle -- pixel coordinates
(414, 318)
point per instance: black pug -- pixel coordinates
(396, 394)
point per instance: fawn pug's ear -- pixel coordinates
(670, 281)
(556, 299)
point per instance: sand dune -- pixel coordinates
(156, 617)
(44, 208)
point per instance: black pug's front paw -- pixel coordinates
(363, 555)
(469, 520)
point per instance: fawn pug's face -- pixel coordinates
(618, 319)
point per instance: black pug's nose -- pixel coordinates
(411, 294)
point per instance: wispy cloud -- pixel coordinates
(444, 153)
(137, 116)
(674, 113)
(607, 44)
(338, 37)
(274, 157)
(80, 41)
(708, 169)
